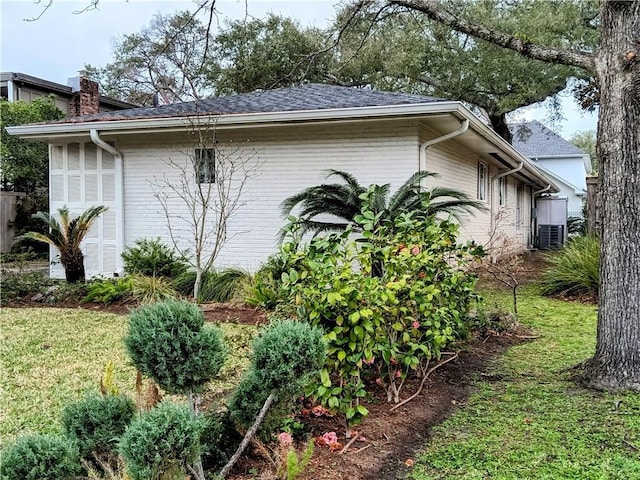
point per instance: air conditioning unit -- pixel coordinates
(550, 236)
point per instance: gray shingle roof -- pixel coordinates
(311, 96)
(535, 140)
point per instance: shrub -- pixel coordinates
(152, 258)
(40, 457)
(219, 439)
(170, 343)
(161, 443)
(574, 270)
(284, 358)
(18, 285)
(97, 422)
(391, 301)
(265, 290)
(216, 286)
(109, 290)
(151, 289)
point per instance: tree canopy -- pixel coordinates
(25, 164)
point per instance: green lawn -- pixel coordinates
(533, 422)
(51, 356)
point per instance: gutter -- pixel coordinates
(509, 172)
(542, 190)
(422, 156)
(119, 167)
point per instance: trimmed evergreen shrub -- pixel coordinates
(574, 270)
(152, 258)
(219, 440)
(40, 457)
(97, 422)
(170, 343)
(161, 443)
(285, 356)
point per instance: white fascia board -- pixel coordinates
(44, 131)
(500, 143)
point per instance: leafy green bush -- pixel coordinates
(40, 457)
(574, 270)
(220, 286)
(97, 422)
(170, 343)
(109, 290)
(391, 301)
(18, 285)
(152, 258)
(284, 358)
(159, 444)
(265, 290)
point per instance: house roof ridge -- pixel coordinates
(534, 139)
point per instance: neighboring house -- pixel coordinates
(77, 98)
(562, 161)
(297, 133)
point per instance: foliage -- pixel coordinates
(295, 465)
(109, 290)
(97, 422)
(395, 321)
(170, 343)
(221, 286)
(167, 57)
(396, 49)
(586, 141)
(268, 53)
(40, 457)
(25, 164)
(284, 358)
(264, 291)
(576, 226)
(66, 235)
(528, 419)
(17, 285)
(345, 200)
(152, 258)
(574, 270)
(159, 444)
(151, 289)
(219, 439)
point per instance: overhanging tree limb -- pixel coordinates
(434, 10)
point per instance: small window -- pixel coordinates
(205, 164)
(502, 191)
(483, 182)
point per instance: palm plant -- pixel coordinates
(343, 202)
(66, 235)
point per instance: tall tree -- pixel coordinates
(616, 67)
(396, 48)
(25, 164)
(586, 141)
(169, 58)
(268, 53)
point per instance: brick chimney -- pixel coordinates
(85, 99)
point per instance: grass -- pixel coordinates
(52, 356)
(534, 422)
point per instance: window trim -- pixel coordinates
(482, 192)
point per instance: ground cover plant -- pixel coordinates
(529, 419)
(51, 357)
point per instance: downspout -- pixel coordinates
(422, 159)
(117, 154)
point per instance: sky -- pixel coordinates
(57, 45)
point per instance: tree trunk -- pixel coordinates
(500, 125)
(73, 263)
(616, 364)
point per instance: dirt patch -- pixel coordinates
(388, 441)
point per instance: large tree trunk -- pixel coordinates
(500, 125)
(616, 364)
